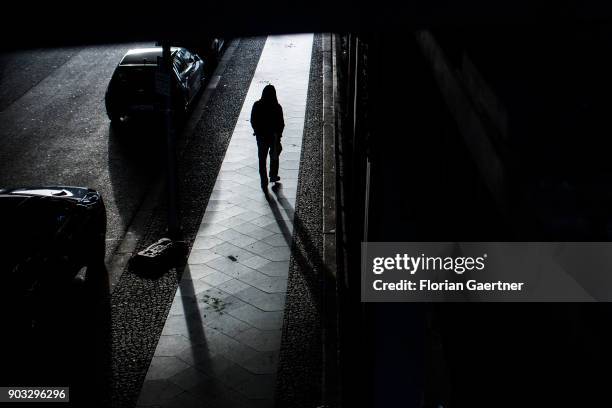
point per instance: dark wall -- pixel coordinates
(537, 96)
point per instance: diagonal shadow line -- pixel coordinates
(285, 204)
(195, 325)
(282, 223)
(320, 284)
(306, 254)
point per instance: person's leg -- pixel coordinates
(274, 161)
(262, 152)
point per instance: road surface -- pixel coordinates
(54, 130)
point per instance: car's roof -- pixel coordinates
(144, 56)
(47, 191)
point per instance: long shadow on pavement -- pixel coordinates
(303, 250)
(321, 284)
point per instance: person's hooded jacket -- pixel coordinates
(267, 114)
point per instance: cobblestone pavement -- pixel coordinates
(299, 375)
(221, 341)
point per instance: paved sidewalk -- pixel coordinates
(221, 341)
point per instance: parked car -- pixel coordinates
(51, 234)
(132, 88)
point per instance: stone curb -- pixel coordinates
(330, 355)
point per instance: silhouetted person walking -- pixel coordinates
(268, 124)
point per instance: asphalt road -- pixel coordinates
(54, 130)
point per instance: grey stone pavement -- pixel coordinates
(221, 340)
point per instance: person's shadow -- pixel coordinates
(304, 251)
(286, 207)
(307, 269)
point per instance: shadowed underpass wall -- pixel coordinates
(529, 104)
(469, 100)
(481, 134)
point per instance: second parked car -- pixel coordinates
(51, 234)
(132, 90)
